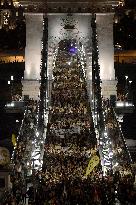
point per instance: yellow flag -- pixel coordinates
(94, 161)
(14, 140)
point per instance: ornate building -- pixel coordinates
(80, 14)
(71, 5)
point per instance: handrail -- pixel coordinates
(122, 135)
(18, 137)
(97, 100)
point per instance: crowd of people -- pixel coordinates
(22, 153)
(120, 152)
(70, 144)
(121, 97)
(17, 98)
(70, 140)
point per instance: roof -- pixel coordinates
(107, 2)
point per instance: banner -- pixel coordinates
(94, 161)
(4, 156)
(14, 140)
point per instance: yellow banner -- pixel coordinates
(94, 161)
(14, 140)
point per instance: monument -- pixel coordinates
(58, 12)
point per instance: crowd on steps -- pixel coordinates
(70, 143)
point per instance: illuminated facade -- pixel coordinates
(64, 4)
(81, 17)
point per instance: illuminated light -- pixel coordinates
(69, 63)
(127, 104)
(12, 77)
(8, 82)
(37, 133)
(73, 50)
(120, 104)
(10, 104)
(105, 133)
(124, 104)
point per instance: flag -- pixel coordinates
(14, 140)
(94, 161)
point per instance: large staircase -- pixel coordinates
(70, 140)
(67, 131)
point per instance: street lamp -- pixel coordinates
(12, 77)
(126, 77)
(126, 86)
(129, 90)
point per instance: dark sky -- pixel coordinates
(130, 3)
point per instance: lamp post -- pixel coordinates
(126, 86)
(9, 83)
(12, 78)
(129, 90)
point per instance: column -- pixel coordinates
(34, 33)
(104, 22)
